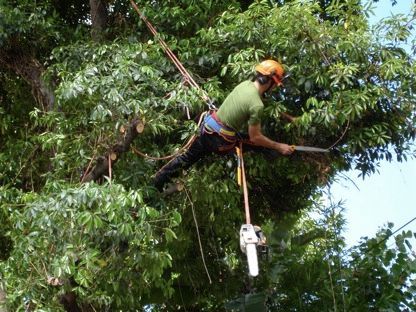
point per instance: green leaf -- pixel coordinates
(169, 234)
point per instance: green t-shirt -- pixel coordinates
(241, 107)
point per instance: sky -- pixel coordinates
(387, 196)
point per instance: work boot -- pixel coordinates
(160, 180)
(171, 170)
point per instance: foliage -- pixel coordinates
(80, 238)
(321, 275)
(117, 245)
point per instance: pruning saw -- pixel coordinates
(300, 148)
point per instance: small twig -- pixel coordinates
(327, 62)
(24, 164)
(199, 237)
(158, 220)
(36, 269)
(330, 279)
(351, 180)
(88, 169)
(109, 167)
(342, 135)
(180, 293)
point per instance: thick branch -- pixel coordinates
(30, 70)
(2, 299)
(103, 163)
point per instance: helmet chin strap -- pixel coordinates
(271, 86)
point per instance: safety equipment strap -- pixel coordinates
(212, 124)
(241, 177)
(173, 57)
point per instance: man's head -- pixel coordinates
(269, 71)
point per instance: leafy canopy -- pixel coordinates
(116, 244)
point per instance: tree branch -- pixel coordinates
(102, 165)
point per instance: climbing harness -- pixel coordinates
(251, 236)
(213, 124)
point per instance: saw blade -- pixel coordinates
(310, 149)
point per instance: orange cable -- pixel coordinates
(244, 183)
(169, 52)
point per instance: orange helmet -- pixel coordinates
(272, 69)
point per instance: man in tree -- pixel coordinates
(220, 130)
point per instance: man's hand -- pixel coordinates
(285, 149)
(254, 132)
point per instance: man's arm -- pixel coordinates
(257, 137)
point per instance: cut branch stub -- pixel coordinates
(140, 126)
(113, 156)
(123, 145)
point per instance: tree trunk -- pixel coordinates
(30, 69)
(2, 299)
(98, 18)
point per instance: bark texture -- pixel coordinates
(99, 17)
(31, 70)
(2, 299)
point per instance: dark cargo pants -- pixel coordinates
(205, 144)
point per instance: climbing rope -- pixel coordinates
(198, 235)
(171, 156)
(187, 77)
(144, 155)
